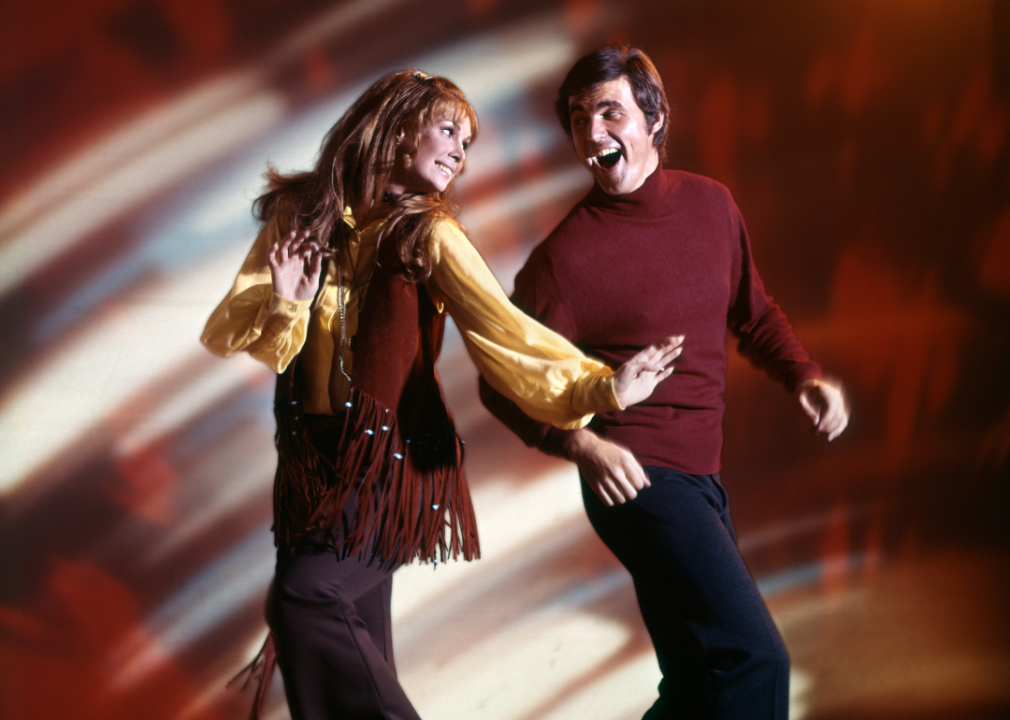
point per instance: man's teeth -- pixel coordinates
(608, 158)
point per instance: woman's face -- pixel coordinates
(439, 157)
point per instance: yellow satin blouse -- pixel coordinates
(542, 372)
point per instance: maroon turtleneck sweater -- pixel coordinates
(618, 273)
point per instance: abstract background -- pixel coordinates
(867, 143)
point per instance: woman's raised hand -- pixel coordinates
(637, 378)
(295, 263)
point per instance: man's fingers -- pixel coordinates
(625, 490)
(813, 411)
(825, 406)
(843, 422)
(829, 419)
(601, 491)
(836, 422)
(636, 476)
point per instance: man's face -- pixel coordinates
(611, 136)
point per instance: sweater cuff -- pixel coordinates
(805, 373)
(555, 441)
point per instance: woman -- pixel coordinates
(344, 294)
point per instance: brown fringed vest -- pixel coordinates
(398, 442)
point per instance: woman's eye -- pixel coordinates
(448, 131)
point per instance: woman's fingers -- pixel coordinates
(660, 354)
(295, 264)
(297, 244)
(666, 351)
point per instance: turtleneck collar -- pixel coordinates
(644, 200)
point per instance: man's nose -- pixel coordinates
(597, 128)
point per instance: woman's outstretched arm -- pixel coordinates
(542, 372)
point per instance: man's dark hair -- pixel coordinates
(609, 63)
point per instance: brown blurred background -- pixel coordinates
(867, 143)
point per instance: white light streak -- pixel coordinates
(78, 205)
(504, 673)
(504, 64)
(191, 400)
(524, 198)
(69, 395)
(510, 517)
(220, 590)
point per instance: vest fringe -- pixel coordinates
(412, 499)
(261, 669)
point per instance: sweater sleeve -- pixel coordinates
(764, 335)
(538, 370)
(255, 319)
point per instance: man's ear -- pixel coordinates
(660, 119)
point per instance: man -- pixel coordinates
(652, 252)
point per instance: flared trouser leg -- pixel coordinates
(330, 619)
(718, 649)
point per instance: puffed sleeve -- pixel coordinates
(542, 372)
(255, 319)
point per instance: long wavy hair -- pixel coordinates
(357, 158)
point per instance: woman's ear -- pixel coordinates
(404, 142)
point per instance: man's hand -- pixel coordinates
(295, 263)
(635, 380)
(611, 471)
(825, 405)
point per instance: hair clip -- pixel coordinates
(422, 76)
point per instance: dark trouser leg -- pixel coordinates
(330, 620)
(374, 609)
(718, 649)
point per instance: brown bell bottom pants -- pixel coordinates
(330, 620)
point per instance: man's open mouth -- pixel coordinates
(608, 158)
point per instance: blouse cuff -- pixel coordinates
(279, 306)
(595, 393)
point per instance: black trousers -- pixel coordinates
(718, 649)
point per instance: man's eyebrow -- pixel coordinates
(578, 105)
